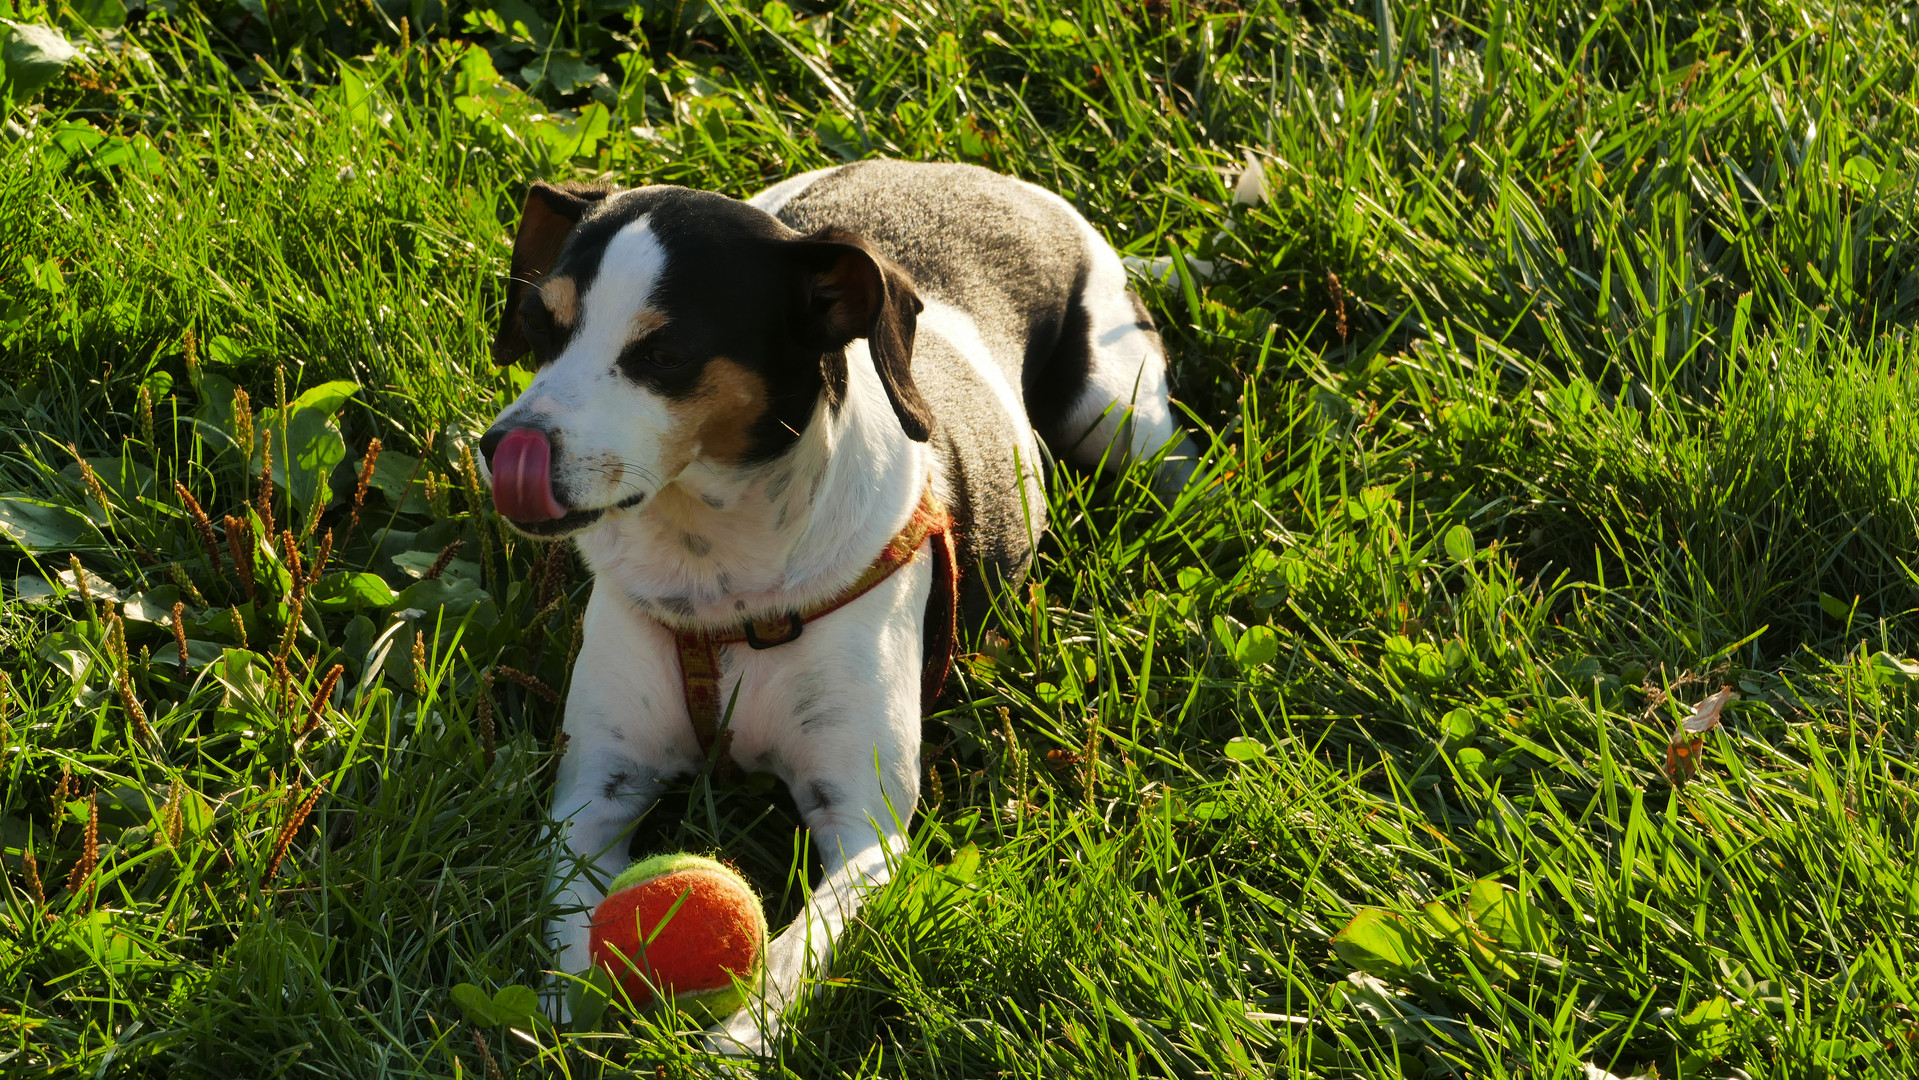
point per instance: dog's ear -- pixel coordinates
(546, 220)
(850, 291)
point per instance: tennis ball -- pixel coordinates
(685, 926)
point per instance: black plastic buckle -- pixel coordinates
(794, 623)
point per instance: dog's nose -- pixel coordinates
(487, 442)
(521, 461)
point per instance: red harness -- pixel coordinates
(700, 649)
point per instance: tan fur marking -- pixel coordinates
(644, 323)
(562, 298)
(716, 422)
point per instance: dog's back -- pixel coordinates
(1013, 278)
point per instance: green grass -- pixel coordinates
(1564, 375)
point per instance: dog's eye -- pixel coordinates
(664, 359)
(536, 321)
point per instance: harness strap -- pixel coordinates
(700, 649)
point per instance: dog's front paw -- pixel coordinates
(739, 1035)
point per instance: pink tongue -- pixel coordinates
(522, 477)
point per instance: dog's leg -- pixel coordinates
(593, 807)
(1123, 410)
(623, 743)
(856, 846)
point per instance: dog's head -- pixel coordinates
(671, 327)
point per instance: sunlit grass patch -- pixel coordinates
(1553, 367)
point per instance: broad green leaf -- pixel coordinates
(457, 596)
(840, 136)
(195, 813)
(67, 651)
(104, 938)
(1210, 810)
(1460, 724)
(402, 479)
(476, 1004)
(1473, 761)
(1257, 647)
(97, 586)
(357, 641)
(34, 589)
(1706, 1030)
(136, 152)
(1833, 606)
(589, 998)
(363, 103)
(1507, 917)
(229, 352)
(39, 526)
(307, 441)
(1894, 670)
(417, 563)
(965, 864)
(1380, 943)
(99, 14)
(122, 485)
(522, 21)
(517, 1005)
(1861, 172)
(1241, 748)
(578, 135)
(779, 18)
(561, 69)
(153, 606)
(215, 393)
(1708, 1013)
(199, 654)
(1459, 544)
(345, 590)
(73, 142)
(248, 683)
(317, 447)
(1446, 924)
(475, 71)
(219, 623)
(32, 57)
(328, 397)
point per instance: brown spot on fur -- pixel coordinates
(717, 420)
(644, 323)
(562, 297)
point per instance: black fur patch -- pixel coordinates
(614, 782)
(777, 483)
(734, 286)
(1057, 367)
(819, 796)
(677, 605)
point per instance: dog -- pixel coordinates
(804, 433)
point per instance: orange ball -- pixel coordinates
(683, 926)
